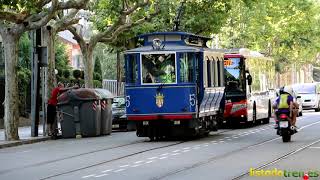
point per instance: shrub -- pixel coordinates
(97, 76)
(66, 73)
(97, 84)
(76, 74)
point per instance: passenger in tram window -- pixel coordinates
(149, 78)
(167, 74)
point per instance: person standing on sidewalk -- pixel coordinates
(52, 108)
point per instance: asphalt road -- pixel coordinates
(227, 154)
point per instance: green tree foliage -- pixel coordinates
(97, 66)
(108, 61)
(97, 75)
(287, 30)
(202, 17)
(24, 72)
(62, 61)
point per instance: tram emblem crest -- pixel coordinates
(159, 100)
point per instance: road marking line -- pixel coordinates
(101, 175)
(206, 145)
(176, 150)
(164, 154)
(26, 151)
(138, 162)
(137, 165)
(314, 147)
(108, 170)
(236, 137)
(186, 148)
(221, 141)
(229, 139)
(308, 125)
(149, 162)
(213, 141)
(175, 154)
(119, 170)
(124, 166)
(88, 176)
(153, 158)
(163, 158)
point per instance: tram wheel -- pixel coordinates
(152, 138)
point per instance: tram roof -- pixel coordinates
(181, 33)
(175, 37)
(170, 47)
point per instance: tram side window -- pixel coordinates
(187, 67)
(132, 69)
(213, 73)
(219, 73)
(209, 73)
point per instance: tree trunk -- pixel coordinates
(52, 81)
(88, 67)
(11, 103)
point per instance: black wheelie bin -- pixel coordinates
(80, 113)
(106, 110)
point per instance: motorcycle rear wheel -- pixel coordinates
(286, 138)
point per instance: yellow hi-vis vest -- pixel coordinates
(283, 103)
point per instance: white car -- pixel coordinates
(310, 95)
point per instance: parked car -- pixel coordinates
(119, 118)
(310, 95)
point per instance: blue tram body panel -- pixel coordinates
(173, 76)
(155, 101)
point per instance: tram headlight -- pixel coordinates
(156, 43)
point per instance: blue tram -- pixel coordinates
(174, 85)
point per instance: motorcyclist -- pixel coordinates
(284, 105)
(295, 107)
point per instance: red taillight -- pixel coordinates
(283, 116)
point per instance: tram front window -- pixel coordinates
(234, 76)
(158, 68)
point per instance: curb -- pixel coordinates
(8, 144)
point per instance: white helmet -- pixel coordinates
(288, 89)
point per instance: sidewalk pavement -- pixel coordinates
(25, 137)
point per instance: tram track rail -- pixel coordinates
(212, 159)
(123, 157)
(275, 161)
(215, 158)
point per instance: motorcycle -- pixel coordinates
(284, 127)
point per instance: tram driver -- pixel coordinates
(167, 74)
